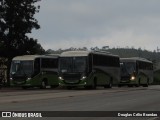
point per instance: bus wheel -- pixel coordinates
(108, 85)
(130, 85)
(138, 84)
(43, 84)
(146, 85)
(54, 86)
(69, 87)
(88, 87)
(95, 83)
(24, 87)
(119, 85)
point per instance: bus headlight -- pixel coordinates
(28, 79)
(132, 78)
(61, 78)
(84, 77)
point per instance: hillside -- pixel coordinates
(122, 52)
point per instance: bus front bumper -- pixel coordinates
(79, 83)
(26, 83)
(129, 81)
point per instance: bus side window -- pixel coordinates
(137, 67)
(37, 66)
(89, 63)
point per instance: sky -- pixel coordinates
(91, 23)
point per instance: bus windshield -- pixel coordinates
(22, 68)
(128, 67)
(72, 64)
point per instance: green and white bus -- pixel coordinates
(89, 69)
(34, 71)
(136, 71)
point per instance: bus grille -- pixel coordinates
(72, 78)
(125, 79)
(19, 79)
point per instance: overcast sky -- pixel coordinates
(90, 23)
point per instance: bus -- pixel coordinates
(34, 71)
(88, 69)
(136, 72)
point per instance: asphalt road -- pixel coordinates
(115, 99)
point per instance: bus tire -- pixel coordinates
(94, 83)
(54, 86)
(43, 84)
(138, 84)
(130, 85)
(69, 87)
(146, 85)
(24, 87)
(88, 87)
(119, 85)
(109, 85)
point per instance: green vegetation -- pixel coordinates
(16, 22)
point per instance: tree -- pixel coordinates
(16, 22)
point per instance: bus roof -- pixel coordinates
(133, 59)
(32, 57)
(84, 53)
(74, 53)
(53, 55)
